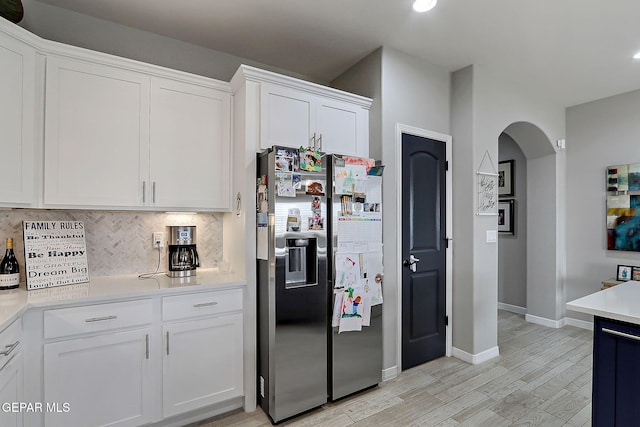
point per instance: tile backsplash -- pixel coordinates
(119, 242)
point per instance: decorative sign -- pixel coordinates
(55, 253)
(487, 193)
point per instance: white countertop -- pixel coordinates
(103, 289)
(621, 302)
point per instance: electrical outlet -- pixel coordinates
(158, 238)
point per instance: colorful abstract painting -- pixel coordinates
(623, 207)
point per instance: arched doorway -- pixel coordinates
(543, 206)
(512, 228)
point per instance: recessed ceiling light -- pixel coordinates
(636, 56)
(424, 5)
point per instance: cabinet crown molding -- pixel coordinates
(49, 47)
(248, 73)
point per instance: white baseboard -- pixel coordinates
(476, 358)
(389, 373)
(200, 414)
(545, 322)
(512, 308)
(579, 323)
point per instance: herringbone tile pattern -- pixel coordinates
(119, 242)
(541, 378)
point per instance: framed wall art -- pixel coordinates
(506, 216)
(506, 184)
(623, 207)
(624, 272)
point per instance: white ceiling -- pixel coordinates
(570, 51)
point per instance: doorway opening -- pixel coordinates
(512, 227)
(535, 243)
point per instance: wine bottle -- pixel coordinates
(9, 270)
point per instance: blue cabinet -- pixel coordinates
(616, 374)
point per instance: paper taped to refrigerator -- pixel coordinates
(337, 309)
(348, 272)
(355, 310)
(350, 179)
(359, 229)
(262, 243)
(374, 273)
(373, 189)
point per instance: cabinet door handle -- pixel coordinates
(146, 343)
(167, 343)
(100, 319)
(9, 348)
(205, 304)
(153, 191)
(144, 191)
(313, 140)
(320, 142)
(621, 334)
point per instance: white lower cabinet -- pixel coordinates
(202, 364)
(102, 380)
(11, 392)
(136, 362)
(11, 371)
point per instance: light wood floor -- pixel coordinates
(542, 378)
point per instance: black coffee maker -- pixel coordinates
(182, 256)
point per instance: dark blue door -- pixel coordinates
(423, 239)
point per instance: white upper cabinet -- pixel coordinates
(118, 133)
(295, 113)
(343, 128)
(190, 145)
(17, 121)
(96, 135)
(287, 117)
(122, 138)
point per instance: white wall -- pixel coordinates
(512, 249)
(415, 93)
(462, 127)
(599, 134)
(365, 78)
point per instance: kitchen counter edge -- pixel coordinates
(14, 303)
(621, 302)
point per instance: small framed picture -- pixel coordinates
(506, 215)
(624, 273)
(635, 274)
(506, 185)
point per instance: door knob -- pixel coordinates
(411, 263)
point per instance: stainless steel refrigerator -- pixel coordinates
(292, 284)
(302, 359)
(355, 357)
